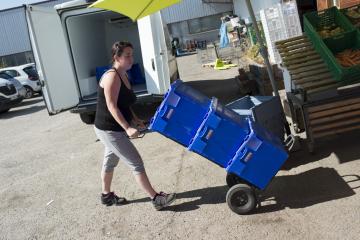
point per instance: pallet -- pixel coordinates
(335, 117)
(307, 69)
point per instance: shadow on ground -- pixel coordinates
(345, 147)
(295, 191)
(306, 189)
(31, 101)
(24, 108)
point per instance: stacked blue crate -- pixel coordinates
(135, 75)
(259, 158)
(230, 139)
(181, 113)
(266, 111)
(220, 135)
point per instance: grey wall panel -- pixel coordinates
(14, 37)
(189, 9)
(241, 10)
(14, 34)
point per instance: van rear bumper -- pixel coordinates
(85, 107)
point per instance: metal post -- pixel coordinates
(263, 49)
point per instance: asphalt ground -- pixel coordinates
(50, 182)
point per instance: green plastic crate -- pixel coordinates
(354, 19)
(326, 18)
(329, 47)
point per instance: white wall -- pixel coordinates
(124, 32)
(241, 10)
(87, 44)
(91, 39)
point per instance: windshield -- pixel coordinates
(31, 71)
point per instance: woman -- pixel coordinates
(113, 127)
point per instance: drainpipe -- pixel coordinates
(263, 49)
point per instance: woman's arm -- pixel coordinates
(136, 120)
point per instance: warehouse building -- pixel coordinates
(188, 20)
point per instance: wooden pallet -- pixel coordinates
(334, 117)
(307, 69)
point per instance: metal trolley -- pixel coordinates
(234, 137)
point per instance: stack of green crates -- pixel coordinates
(328, 47)
(353, 14)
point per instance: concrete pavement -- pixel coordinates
(50, 183)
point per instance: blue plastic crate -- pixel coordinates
(99, 71)
(259, 158)
(220, 135)
(266, 111)
(181, 113)
(134, 74)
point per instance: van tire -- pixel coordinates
(88, 118)
(5, 110)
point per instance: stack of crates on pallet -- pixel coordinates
(260, 74)
(280, 22)
(332, 35)
(230, 140)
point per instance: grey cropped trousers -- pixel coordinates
(119, 147)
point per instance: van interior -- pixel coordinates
(91, 36)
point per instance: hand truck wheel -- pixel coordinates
(241, 199)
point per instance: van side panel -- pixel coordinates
(154, 54)
(52, 59)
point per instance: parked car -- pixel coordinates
(19, 87)
(28, 77)
(9, 96)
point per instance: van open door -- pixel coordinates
(154, 54)
(52, 58)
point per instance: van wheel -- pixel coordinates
(88, 118)
(29, 92)
(5, 110)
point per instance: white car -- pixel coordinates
(9, 96)
(27, 75)
(19, 87)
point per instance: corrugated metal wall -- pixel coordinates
(14, 33)
(14, 37)
(189, 9)
(241, 10)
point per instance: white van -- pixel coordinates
(70, 41)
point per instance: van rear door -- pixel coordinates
(154, 54)
(52, 58)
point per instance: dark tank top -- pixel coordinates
(104, 120)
